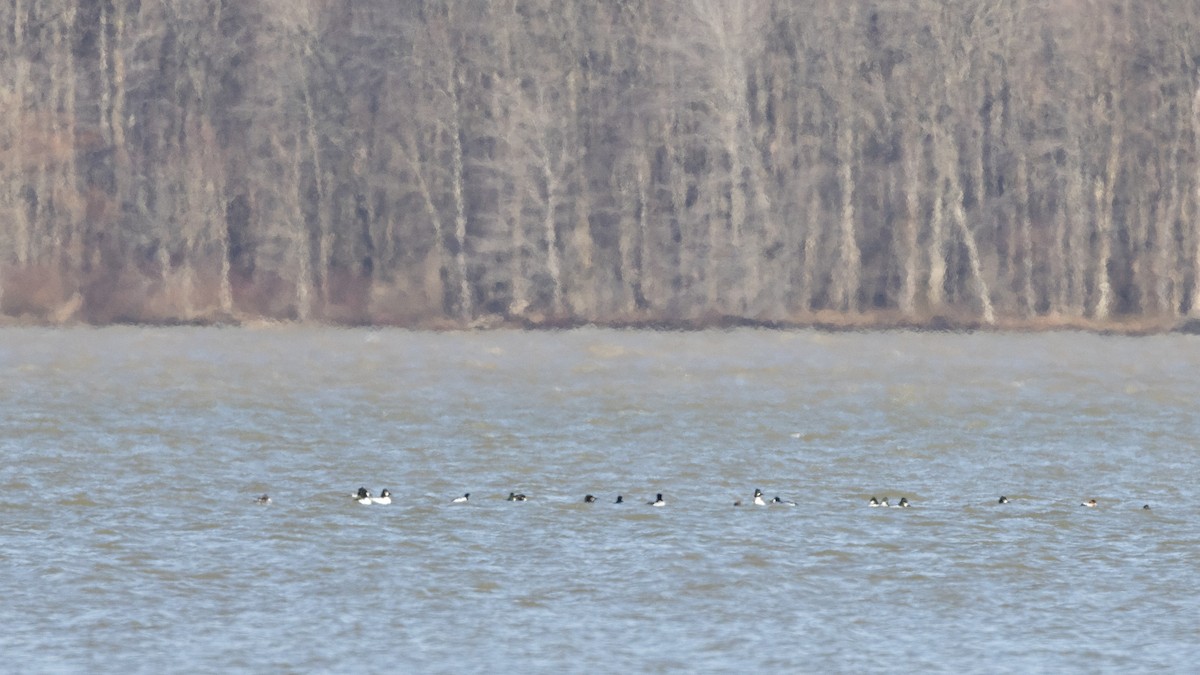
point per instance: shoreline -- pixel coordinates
(821, 322)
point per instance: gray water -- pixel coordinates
(130, 540)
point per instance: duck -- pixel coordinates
(514, 497)
(884, 503)
(385, 497)
(363, 496)
(875, 502)
(620, 500)
(782, 502)
(264, 500)
(1145, 507)
(589, 499)
(658, 501)
(460, 500)
(758, 498)
(903, 503)
(1091, 503)
(1003, 499)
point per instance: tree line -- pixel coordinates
(447, 163)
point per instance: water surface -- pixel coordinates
(130, 541)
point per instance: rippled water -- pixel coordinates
(130, 541)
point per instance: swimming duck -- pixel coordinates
(1145, 507)
(513, 497)
(658, 501)
(460, 500)
(589, 499)
(620, 500)
(758, 498)
(264, 500)
(363, 496)
(385, 497)
(875, 502)
(1091, 503)
(1003, 499)
(903, 503)
(782, 502)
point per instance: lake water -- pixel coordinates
(130, 541)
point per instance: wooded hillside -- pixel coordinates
(1016, 163)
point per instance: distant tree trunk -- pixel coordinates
(550, 158)
(46, 120)
(623, 187)
(1187, 249)
(519, 304)
(720, 281)
(936, 287)
(998, 205)
(1193, 223)
(1166, 254)
(216, 203)
(1139, 256)
(322, 208)
(207, 186)
(1105, 186)
(676, 275)
(1100, 276)
(300, 244)
(987, 314)
(14, 184)
(225, 283)
(812, 241)
(408, 149)
(114, 112)
(844, 295)
(910, 267)
(1073, 237)
(458, 190)
(1026, 302)
(67, 240)
(582, 281)
(637, 269)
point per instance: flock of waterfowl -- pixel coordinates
(364, 496)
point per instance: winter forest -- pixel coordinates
(1018, 164)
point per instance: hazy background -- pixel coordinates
(445, 163)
